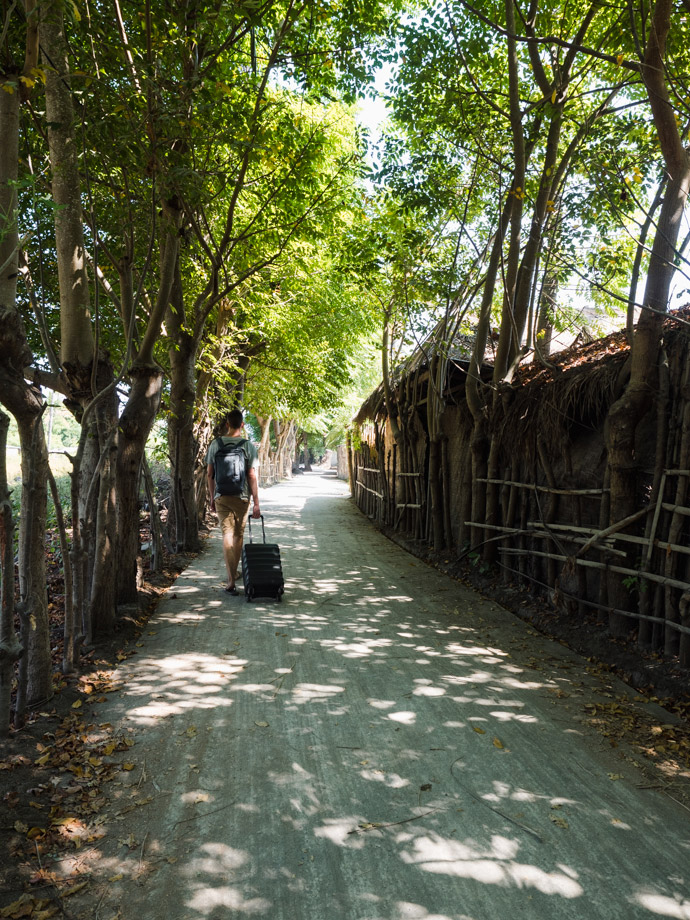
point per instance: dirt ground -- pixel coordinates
(79, 757)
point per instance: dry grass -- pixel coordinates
(59, 464)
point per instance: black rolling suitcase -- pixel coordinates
(262, 572)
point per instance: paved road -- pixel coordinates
(383, 745)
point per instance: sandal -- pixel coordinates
(231, 589)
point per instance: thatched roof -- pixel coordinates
(577, 386)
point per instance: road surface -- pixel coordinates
(382, 745)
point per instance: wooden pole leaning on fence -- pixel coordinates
(614, 528)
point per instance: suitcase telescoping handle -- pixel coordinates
(263, 528)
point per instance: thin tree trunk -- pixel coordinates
(436, 491)
(77, 346)
(11, 334)
(134, 427)
(10, 647)
(103, 581)
(475, 393)
(32, 579)
(265, 450)
(645, 634)
(69, 631)
(154, 519)
(183, 519)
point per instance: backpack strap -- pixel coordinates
(221, 445)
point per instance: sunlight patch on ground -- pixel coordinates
(216, 859)
(339, 832)
(196, 575)
(327, 586)
(381, 704)
(159, 709)
(311, 693)
(409, 911)
(428, 691)
(474, 650)
(522, 717)
(485, 700)
(185, 617)
(208, 900)
(392, 780)
(178, 683)
(663, 906)
(522, 684)
(502, 791)
(495, 865)
(360, 649)
(476, 677)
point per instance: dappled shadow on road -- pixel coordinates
(368, 750)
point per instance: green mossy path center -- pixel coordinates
(384, 744)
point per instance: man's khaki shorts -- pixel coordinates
(232, 514)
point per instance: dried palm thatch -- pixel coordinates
(553, 408)
(372, 408)
(572, 393)
(576, 392)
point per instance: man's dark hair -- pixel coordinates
(234, 419)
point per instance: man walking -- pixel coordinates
(231, 475)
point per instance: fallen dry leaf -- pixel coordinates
(67, 892)
(559, 821)
(26, 906)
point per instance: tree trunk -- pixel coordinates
(9, 153)
(10, 647)
(265, 451)
(134, 426)
(183, 517)
(26, 405)
(104, 577)
(512, 211)
(183, 521)
(32, 554)
(626, 413)
(436, 489)
(526, 274)
(475, 391)
(154, 518)
(547, 307)
(64, 148)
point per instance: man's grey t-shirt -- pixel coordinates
(250, 453)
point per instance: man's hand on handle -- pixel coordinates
(256, 511)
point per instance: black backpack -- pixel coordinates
(230, 467)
